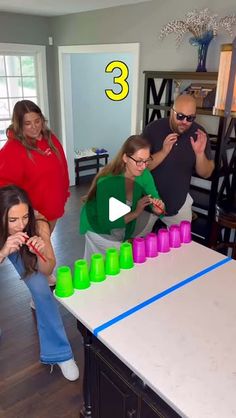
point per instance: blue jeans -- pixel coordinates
(54, 344)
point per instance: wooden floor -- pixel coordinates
(27, 389)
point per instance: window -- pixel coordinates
(22, 76)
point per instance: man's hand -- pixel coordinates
(167, 146)
(200, 144)
(168, 143)
(204, 167)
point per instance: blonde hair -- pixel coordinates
(117, 166)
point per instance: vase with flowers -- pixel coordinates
(202, 42)
(203, 26)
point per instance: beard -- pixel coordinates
(178, 128)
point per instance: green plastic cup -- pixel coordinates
(112, 266)
(81, 275)
(126, 256)
(97, 268)
(64, 284)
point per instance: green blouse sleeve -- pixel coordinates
(149, 186)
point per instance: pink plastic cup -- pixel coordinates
(174, 235)
(163, 240)
(151, 245)
(139, 251)
(185, 231)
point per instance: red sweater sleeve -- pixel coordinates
(12, 157)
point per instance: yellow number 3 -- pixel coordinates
(121, 80)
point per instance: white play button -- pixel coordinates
(117, 209)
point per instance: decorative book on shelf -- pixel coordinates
(204, 93)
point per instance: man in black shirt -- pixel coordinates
(179, 146)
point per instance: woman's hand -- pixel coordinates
(37, 243)
(158, 206)
(142, 203)
(13, 243)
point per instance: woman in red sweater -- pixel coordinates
(34, 160)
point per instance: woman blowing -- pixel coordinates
(33, 159)
(128, 180)
(21, 242)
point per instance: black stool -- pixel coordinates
(225, 217)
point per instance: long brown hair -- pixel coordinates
(9, 197)
(20, 109)
(117, 166)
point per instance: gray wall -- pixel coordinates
(24, 29)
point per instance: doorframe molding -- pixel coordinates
(64, 54)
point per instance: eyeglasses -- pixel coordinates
(182, 116)
(140, 163)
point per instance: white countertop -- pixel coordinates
(181, 345)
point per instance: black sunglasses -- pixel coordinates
(182, 116)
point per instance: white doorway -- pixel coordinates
(91, 114)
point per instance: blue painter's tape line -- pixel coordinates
(159, 296)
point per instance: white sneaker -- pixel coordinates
(51, 280)
(32, 305)
(69, 369)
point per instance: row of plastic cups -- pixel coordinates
(65, 283)
(161, 242)
(124, 259)
(114, 261)
(174, 236)
(99, 268)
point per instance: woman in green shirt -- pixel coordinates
(127, 179)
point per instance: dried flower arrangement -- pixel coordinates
(198, 23)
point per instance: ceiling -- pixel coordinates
(59, 7)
